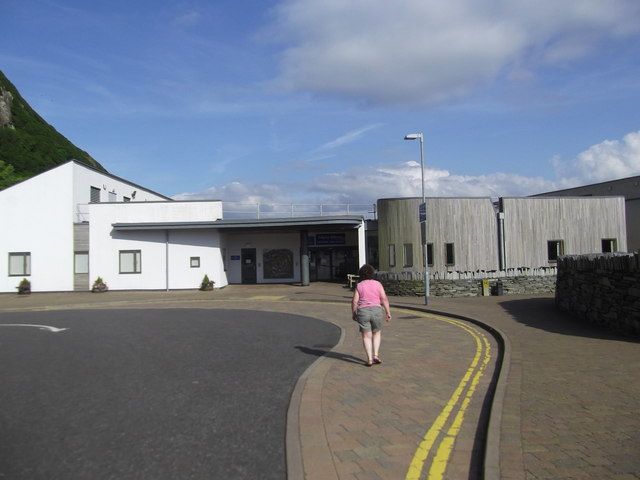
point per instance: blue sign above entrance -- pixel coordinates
(330, 239)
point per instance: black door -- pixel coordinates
(248, 259)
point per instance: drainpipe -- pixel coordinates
(501, 242)
(166, 251)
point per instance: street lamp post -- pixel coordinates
(423, 222)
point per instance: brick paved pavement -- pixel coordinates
(573, 396)
(571, 402)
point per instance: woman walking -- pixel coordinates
(369, 305)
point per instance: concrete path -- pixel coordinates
(569, 410)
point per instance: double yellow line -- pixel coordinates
(459, 400)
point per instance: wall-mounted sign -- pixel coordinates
(422, 212)
(330, 239)
(235, 257)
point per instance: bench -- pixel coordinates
(352, 280)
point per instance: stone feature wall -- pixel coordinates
(468, 287)
(601, 289)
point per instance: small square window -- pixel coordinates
(392, 255)
(408, 255)
(81, 262)
(126, 199)
(130, 261)
(555, 248)
(609, 245)
(450, 255)
(19, 264)
(95, 195)
(194, 262)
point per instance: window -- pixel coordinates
(130, 261)
(408, 255)
(194, 262)
(450, 256)
(126, 199)
(19, 264)
(429, 254)
(95, 195)
(392, 255)
(81, 262)
(609, 245)
(555, 248)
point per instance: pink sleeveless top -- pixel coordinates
(369, 292)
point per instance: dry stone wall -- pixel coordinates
(601, 289)
(396, 285)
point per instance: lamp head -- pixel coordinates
(413, 136)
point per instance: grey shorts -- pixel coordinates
(370, 319)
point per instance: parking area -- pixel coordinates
(150, 393)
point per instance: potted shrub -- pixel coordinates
(206, 283)
(24, 287)
(99, 286)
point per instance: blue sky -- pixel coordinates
(308, 101)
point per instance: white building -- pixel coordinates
(65, 227)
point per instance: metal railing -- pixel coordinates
(239, 210)
(232, 210)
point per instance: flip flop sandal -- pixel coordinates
(377, 361)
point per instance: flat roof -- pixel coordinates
(352, 221)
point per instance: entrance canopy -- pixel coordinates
(273, 249)
(341, 222)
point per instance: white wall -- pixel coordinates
(260, 241)
(105, 245)
(184, 244)
(36, 216)
(85, 178)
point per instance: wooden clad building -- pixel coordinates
(538, 230)
(461, 234)
(478, 235)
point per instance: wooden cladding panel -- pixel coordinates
(581, 223)
(468, 223)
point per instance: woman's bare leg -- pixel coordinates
(368, 345)
(377, 338)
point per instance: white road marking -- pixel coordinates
(41, 327)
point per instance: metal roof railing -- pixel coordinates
(233, 210)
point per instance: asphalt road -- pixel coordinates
(151, 394)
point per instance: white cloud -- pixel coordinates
(240, 192)
(348, 137)
(426, 51)
(605, 161)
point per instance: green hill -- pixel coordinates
(28, 144)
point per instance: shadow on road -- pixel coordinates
(318, 352)
(542, 313)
